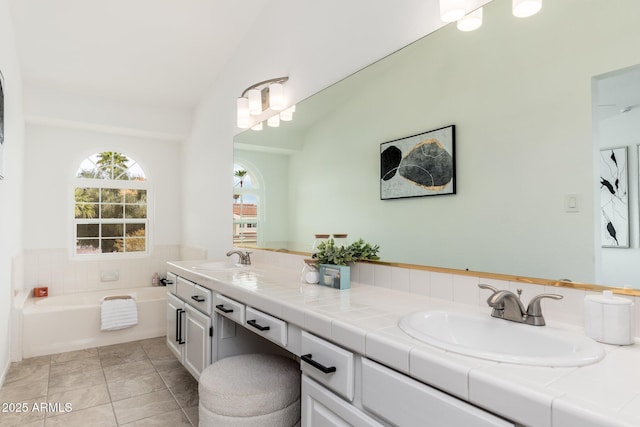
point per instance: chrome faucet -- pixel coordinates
(244, 256)
(508, 306)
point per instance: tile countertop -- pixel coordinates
(365, 319)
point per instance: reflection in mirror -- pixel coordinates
(616, 120)
(518, 92)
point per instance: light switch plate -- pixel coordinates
(572, 203)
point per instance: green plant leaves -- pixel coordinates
(329, 253)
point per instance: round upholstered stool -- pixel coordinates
(250, 390)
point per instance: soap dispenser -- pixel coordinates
(609, 319)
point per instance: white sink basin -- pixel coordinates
(486, 337)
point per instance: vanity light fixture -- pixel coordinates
(259, 97)
(274, 121)
(526, 8)
(471, 21)
(242, 113)
(286, 115)
(452, 10)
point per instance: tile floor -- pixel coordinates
(139, 383)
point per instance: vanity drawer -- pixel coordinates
(195, 295)
(267, 326)
(330, 365)
(170, 282)
(202, 299)
(404, 401)
(232, 309)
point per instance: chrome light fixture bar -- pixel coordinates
(259, 97)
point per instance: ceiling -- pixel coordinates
(147, 52)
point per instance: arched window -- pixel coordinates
(246, 197)
(110, 205)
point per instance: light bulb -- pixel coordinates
(471, 22)
(286, 115)
(255, 101)
(525, 8)
(257, 126)
(276, 96)
(273, 121)
(452, 10)
(242, 112)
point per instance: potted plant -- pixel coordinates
(333, 261)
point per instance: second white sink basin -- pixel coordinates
(486, 337)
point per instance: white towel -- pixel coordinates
(119, 314)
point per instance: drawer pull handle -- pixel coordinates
(258, 327)
(224, 310)
(197, 298)
(325, 369)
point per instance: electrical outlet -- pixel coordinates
(109, 276)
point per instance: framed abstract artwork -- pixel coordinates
(418, 165)
(614, 198)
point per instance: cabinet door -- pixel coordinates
(197, 350)
(404, 401)
(322, 408)
(175, 325)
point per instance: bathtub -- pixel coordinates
(61, 323)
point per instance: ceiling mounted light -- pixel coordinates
(471, 21)
(525, 8)
(452, 10)
(258, 98)
(257, 126)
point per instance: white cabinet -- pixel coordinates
(267, 326)
(404, 401)
(330, 365)
(175, 324)
(189, 326)
(198, 336)
(322, 408)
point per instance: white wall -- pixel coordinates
(315, 44)
(11, 186)
(54, 155)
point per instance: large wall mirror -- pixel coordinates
(519, 92)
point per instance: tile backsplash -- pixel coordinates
(62, 275)
(457, 288)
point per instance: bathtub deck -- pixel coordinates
(116, 385)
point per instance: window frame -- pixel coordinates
(80, 182)
(256, 190)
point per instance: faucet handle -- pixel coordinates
(534, 308)
(489, 287)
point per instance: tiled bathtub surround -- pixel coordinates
(132, 384)
(452, 287)
(62, 275)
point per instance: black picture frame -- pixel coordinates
(419, 165)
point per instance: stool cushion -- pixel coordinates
(249, 385)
